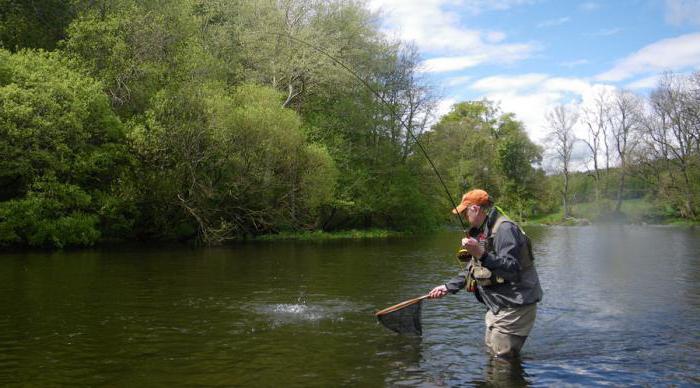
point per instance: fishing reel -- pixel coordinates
(463, 255)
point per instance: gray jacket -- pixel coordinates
(521, 286)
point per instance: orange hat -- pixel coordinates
(474, 197)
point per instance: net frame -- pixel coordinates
(403, 318)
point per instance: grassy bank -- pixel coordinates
(319, 235)
(632, 211)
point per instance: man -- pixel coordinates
(501, 274)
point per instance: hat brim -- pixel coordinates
(460, 208)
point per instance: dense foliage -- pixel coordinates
(475, 145)
(185, 119)
(64, 154)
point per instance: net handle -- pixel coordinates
(401, 305)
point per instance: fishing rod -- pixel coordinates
(385, 102)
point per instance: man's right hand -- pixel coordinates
(438, 292)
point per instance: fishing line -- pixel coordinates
(385, 102)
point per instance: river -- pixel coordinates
(621, 307)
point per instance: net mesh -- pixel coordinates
(405, 320)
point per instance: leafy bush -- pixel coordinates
(51, 214)
(62, 146)
(230, 163)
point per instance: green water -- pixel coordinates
(622, 306)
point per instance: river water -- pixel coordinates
(621, 307)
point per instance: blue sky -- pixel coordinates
(530, 55)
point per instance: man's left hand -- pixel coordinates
(472, 245)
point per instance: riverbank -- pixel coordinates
(632, 211)
(635, 211)
(353, 234)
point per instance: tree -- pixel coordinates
(286, 45)
(475, 145)
(561, 122)
(137, 48)
(670, 141)
(596, 118)
(35, 24)
(233, 163)
(64, 155)
(516, 159)
(462, 145)
(280, 43)
(624, 123)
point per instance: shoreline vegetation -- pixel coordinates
(354, 234)
(634, 212)
(554, 219)
(631, 212)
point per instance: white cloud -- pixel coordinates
(532, 96)
(679, 12)
(553, 22)
(443, 64)
(444, 106)
(489, 54)
(645, 83)
(569, 85)
(460, 80)
(500, 83)
(669, 54)
(473, 7)
(529, 96)
(530, 108)
(435, 27)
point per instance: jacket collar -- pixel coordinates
(490, 220)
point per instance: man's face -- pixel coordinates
(474, 215)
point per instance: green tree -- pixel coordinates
(33, 23)
(475, 145)
(231, 164)
(64, 154)
(516, 160)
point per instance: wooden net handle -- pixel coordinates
(401, 305)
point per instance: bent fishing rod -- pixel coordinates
(385, 102)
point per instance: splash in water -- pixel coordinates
(302, 311)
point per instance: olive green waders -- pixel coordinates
(507, 331)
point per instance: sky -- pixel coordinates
(531, 55)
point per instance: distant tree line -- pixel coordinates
(637, 146)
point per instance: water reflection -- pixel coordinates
(501, 372)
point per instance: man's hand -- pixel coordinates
(438, 292)
(472, 245)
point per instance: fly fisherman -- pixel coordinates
(501, 274)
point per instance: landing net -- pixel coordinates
(403, 318)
